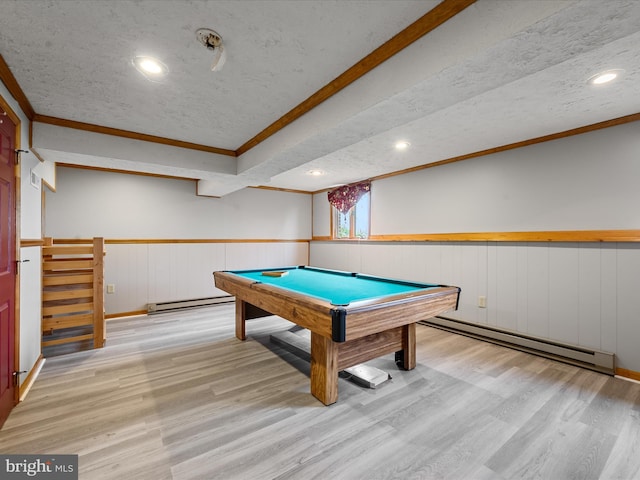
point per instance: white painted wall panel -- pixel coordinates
(322, 254)
(447, 264)
(241, 256)
(401, 264)
(181, 271)
(628, 296)
(164, 272)
(30, 307)
(522, 308)
(491, 315)
(563, 285)
(581, 294)
(538, 290)
(161, 282)
(377, 259)
(590, 294)
(126, 267)
(431, 264)
(609, 300)
(504, 296)
(479, 262)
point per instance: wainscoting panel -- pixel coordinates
(144, 273)
(563, 284)
(609, 297)
(584, 294)
(503, 291)
(472, 270)
(537, 276)
(126, 266)
(182, 271)
(590, 290)
(628, 295)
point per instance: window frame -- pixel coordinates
(352, 221)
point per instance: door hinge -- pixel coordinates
(18, 152)
(18, 262)
(17, 374)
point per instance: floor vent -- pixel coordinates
(182, 304)
(603, 362)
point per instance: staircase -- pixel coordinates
(72, 296)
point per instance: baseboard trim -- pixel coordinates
(133, 313)
(623, 372)
(31, 378)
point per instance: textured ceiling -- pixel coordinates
(496, 73)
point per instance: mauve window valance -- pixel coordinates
(345, 197)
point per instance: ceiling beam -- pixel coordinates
(443, 12)
(6, 76)
(61, 122)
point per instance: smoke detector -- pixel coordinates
(212, 40)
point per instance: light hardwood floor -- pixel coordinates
(176, 396)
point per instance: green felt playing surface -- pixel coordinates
(334, 287)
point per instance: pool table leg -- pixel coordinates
(324, 369)
(241, 315)
(406, 358)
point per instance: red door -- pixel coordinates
(7, 264)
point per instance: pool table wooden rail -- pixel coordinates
(377, 315)
(362, 317)
(269, 300)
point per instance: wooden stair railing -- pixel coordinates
(72, 293)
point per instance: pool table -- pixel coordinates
(352, 317)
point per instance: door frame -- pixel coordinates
(16, 212)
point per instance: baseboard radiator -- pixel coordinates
(603, 362)
(183, 304)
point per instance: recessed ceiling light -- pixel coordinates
(402, 145)
(315, 173)
(150, 67)
(605, 77)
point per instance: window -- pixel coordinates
(355, 223)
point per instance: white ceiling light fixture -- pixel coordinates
(605, 77)
(315, 173)
(212, 40)
(150, 67)
(402, 145)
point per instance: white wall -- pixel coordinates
(321, 215)
(578, 293)
(584, 182)
(30, 198)
(117, 206)
(91, 203)
(29, 228)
